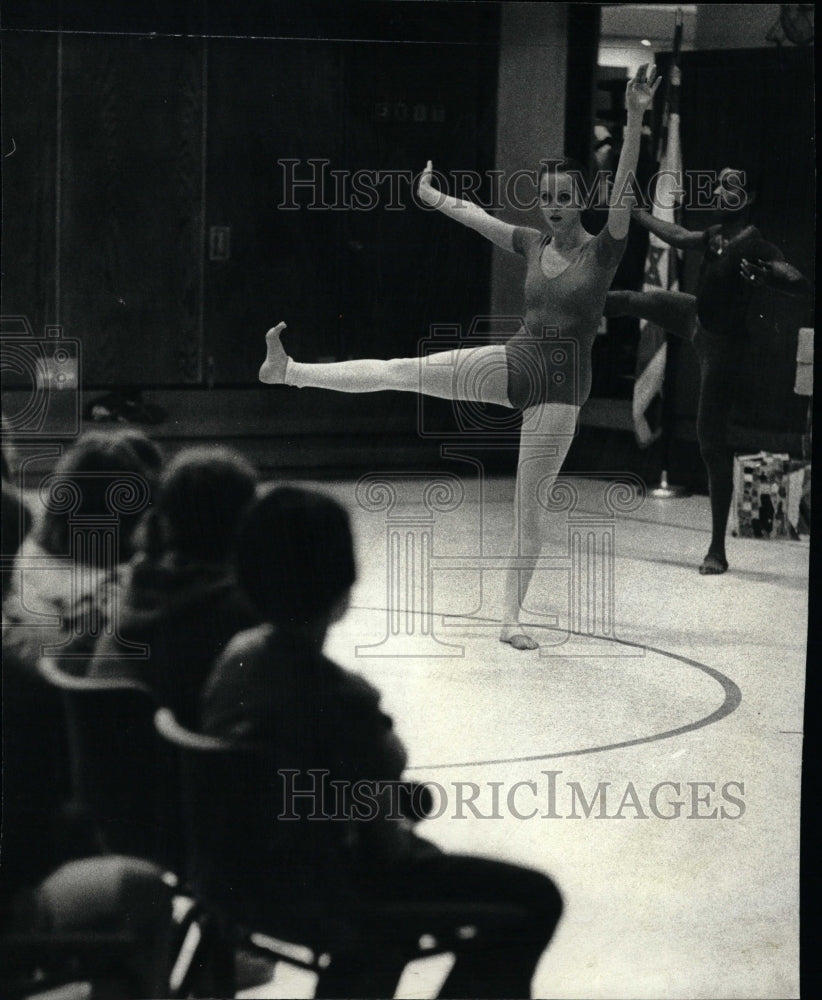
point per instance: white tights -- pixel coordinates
(472, 374)
(547, 432)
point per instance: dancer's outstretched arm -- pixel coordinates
(669, 232)
(466, 212)
(639, 96)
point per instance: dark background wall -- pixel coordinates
(140, 204)
(131, 150)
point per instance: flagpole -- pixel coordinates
(666, 490)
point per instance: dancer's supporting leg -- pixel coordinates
(472, 374)
(547, 432)
(673, 311)
(720, 360)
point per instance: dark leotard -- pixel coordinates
(723, 295)
(549, 358)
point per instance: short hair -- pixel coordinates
(199, 501)
(295, 555)
(753, 175)
(95, 459)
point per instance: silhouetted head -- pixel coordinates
(198, 504)
(295, 557)
(736, 189)
(105, 476)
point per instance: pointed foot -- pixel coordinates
(272, 371)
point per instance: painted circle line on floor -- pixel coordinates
(731, 701)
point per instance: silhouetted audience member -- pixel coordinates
(35, 766)
(69, 569)
(182, 602)
(274, 686)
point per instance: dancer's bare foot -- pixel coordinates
(272, 371)
(713, 564)
(516, 637)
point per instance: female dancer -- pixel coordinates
(569, 273)
(735, 259)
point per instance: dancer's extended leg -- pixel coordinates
(673, 311)
(547, 432)
(475, 374)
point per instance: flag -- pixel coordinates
(661, 262)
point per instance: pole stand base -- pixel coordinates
(665, 491)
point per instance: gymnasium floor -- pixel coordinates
(685, 679)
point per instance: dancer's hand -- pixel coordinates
(428, 194)
(756, 273)
(639, 94)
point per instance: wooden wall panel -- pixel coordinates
(130, 283)
(29, 145)
(269, 101)
(410, 267)
(350, 282)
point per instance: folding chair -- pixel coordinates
(122, 775)
(125, 782)
(287, 887)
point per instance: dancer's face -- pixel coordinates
(730, 194)
(560, 202)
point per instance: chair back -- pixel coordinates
(286, 876)
(37, 829)
(122, 773)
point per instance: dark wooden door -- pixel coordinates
(344, 256)
(130, 187)
(269, 102)
(29, 143)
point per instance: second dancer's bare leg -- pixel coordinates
(672, 311)
(546, 436)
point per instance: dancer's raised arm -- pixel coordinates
(466, 212)
(639, 96)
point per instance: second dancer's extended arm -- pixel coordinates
(669, 232)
